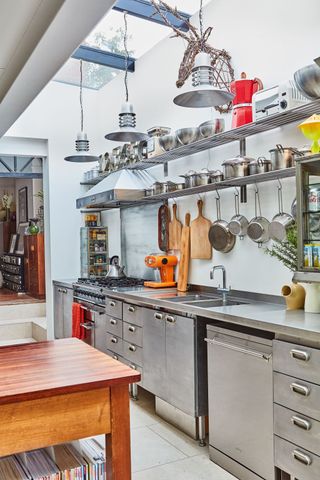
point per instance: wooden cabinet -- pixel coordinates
(34, 265)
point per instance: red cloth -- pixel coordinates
(77, 319)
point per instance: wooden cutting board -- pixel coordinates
(175, 229)
(200, 246)
(163, 228)
(184, 256)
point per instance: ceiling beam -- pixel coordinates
(145, 10)
(103, 57)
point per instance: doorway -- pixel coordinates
(22, 260)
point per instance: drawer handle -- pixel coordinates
(171, 319)
(132, 366)
(132, 329)
(158, 316)
(112, 304)
(300, 355)
(301, 422)
(114, 340)
(113, 321)
(300, 389)
(115, 357)
(131, 309)
(301, 457)
(132, 348)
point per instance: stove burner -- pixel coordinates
(112, 282)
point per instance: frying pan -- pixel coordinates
(258, 228)
(220, 236)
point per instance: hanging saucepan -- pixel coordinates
(238, 224)
(281, 221)
(220, 236)
(258, 228)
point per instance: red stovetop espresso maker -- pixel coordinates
(243, 89)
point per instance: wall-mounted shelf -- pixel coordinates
(234, 182)
(237, 134)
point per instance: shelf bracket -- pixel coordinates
(165, 169)
(243, 188)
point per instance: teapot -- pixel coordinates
(115, 270)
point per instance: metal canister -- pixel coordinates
(308, 255)
(316, 255)
(314, 198)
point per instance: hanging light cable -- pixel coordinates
(82, 142)
(204, 91)
(127, 117)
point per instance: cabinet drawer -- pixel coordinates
(132, 352)
(116, 356)
(297, 360)
(298, 395)
(114, 325)
(297, 428)
(135, 367)
(114, 308)
(132, 314)
(114, 343)
(295, 460)
(132, 333)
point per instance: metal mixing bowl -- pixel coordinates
(307, 80)
(168, 142)
(188, 135)
(207, 129)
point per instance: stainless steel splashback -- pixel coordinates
(139, 237)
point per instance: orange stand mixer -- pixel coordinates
(165, 264)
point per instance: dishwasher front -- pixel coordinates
(241, 403)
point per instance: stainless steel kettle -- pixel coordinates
(115, 270)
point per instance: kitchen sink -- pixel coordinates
(192, 298)
(216, 303)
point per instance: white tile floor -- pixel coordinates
(161, 452)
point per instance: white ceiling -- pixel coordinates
(36, 39)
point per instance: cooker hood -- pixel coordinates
(123, 185)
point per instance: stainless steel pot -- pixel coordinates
(180, 186)
(115, 271)
(216, 176)
(261, 165)
(281, 221)
(258, 228)
(307, 80)
(156, 188)
(282, 157)
(238, 224)
(190, 179)
(236, 167)
(212, 127)
(203, 177)
(220, 236)
(167, 187)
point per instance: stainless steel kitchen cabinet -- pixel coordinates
(169, 358)
(241, 403)
(63, 297)
(154, 352)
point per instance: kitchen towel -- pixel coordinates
(77, 319)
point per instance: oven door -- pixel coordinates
(91, 315)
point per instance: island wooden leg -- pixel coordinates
(118, 450)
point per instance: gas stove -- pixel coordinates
(110, 283)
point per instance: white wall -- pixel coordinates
(267, 40)
(54, 117)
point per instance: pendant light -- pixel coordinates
(127, 118)
(82, 142)
(204, 91)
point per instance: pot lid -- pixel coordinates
(238, 159)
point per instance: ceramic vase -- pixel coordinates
(312, 301)
(294, 295)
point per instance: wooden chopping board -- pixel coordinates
(163, 228)
(184, 256)
(175, 229)
(200, 246)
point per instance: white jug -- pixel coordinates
(312, 301)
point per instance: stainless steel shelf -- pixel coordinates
(237, 134)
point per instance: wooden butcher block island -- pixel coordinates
(59, 391)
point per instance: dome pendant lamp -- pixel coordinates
(81, 154)
(204, 92)
(127, 118)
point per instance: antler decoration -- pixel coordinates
(198, 42)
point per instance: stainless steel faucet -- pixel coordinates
(224, 290)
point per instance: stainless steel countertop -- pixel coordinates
(260, 315)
